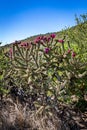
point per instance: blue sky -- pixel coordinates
(20, 19)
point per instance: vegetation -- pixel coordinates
(54, 66)
(45, 77)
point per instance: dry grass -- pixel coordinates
(19, 117)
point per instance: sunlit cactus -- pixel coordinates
(47, 64)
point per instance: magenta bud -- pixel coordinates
(61, 41)
(73, 54)
(47, 50)
(53, 35)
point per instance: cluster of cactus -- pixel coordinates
(34, 63)
(49, 65)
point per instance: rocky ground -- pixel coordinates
(16, 115)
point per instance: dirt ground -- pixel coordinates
(19, 116)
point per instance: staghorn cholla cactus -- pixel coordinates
(35, 62)
(48, 64)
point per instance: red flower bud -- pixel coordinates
(69, 51)
(61, 41)
(37, 40)
(47, 50)
(53, 35)
(73, 54)
(24, 45)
